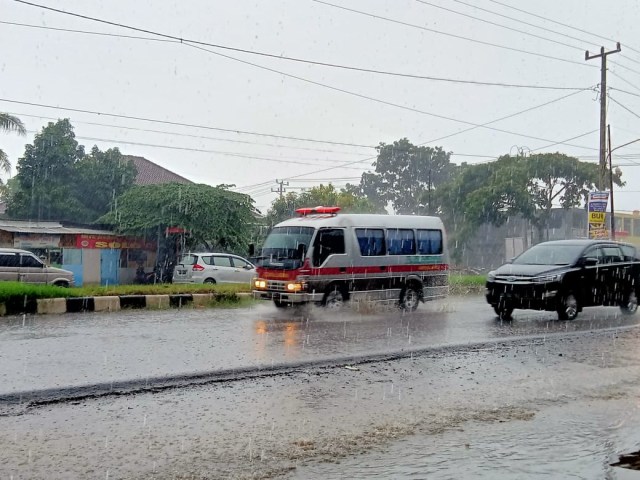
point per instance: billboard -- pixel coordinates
(596, 211)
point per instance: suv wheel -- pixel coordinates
(630, 304)
(504, 312)
(568, 308)
(210, 281)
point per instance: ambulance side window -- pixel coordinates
(371, 242)
(329, 241)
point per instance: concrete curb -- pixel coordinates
(107, 303)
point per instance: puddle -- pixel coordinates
(575, 440)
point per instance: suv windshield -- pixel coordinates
(549, 255)
(280, 249)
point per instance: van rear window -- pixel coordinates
(430, 242)
(188, 260)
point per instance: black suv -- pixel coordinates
(565, 276)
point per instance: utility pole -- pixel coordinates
(613, 215)
(280, 190)
(603, 109)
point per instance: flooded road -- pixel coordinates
(546, 399)
(58, 351)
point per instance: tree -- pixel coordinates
(349, 199)
(44, 174)
(526, 186)
(100, 178)
(57, 181)
(406, 176)
(214, 217)
(9, 123)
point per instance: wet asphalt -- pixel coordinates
(130, 349)
(447, 392)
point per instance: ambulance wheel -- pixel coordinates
(334, 298)
(410, 298)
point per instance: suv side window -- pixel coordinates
(221, 261)
(207, 260)
(8, 260)
(30, 261)
(612, 255)
(629, 253)
(593, 253)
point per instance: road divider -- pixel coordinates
(114, 303)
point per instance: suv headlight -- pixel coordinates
(491, 276)
(548, 278)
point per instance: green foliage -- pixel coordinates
(349, 199)
(406, 176)
(9, 123)
(214, 216)
(100, 178)
(57, 181)
(529, 187)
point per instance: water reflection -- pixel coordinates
(281, 338)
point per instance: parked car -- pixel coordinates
(565, 276)
(23, 266)
(213, 268)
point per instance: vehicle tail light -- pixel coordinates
(197, 268)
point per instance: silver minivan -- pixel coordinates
(23, 266)
(213, 268)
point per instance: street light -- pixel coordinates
(611, 150)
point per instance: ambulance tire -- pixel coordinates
(410, 297)
(334, 297)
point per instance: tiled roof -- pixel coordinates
(150, 173)
(26, 226)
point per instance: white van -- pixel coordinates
(23, 266)
(328, 258)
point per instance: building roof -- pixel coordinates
(150, 173)
(50, 228)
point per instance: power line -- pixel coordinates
(555, 32)
(624, 80)
(204, 137)
(373, 99)
(575, 47)
(621, 105)
(503, 118)
(559, 23)
(312, 81)
(178, 40)
(201, 150)
(439, 32)
(625, 91)
(179, 124)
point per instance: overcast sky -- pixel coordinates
(173, 82)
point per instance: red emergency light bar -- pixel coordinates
(317, 210)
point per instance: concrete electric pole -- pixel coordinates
(280, 190)
(603, 110)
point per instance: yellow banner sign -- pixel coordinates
(596, 217)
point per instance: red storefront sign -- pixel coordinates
(103, 241)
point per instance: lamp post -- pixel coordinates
(611, 150)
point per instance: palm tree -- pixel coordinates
(9, 123)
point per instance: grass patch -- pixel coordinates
(466, 284)
(13, 290)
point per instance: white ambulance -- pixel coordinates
(328, 258)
